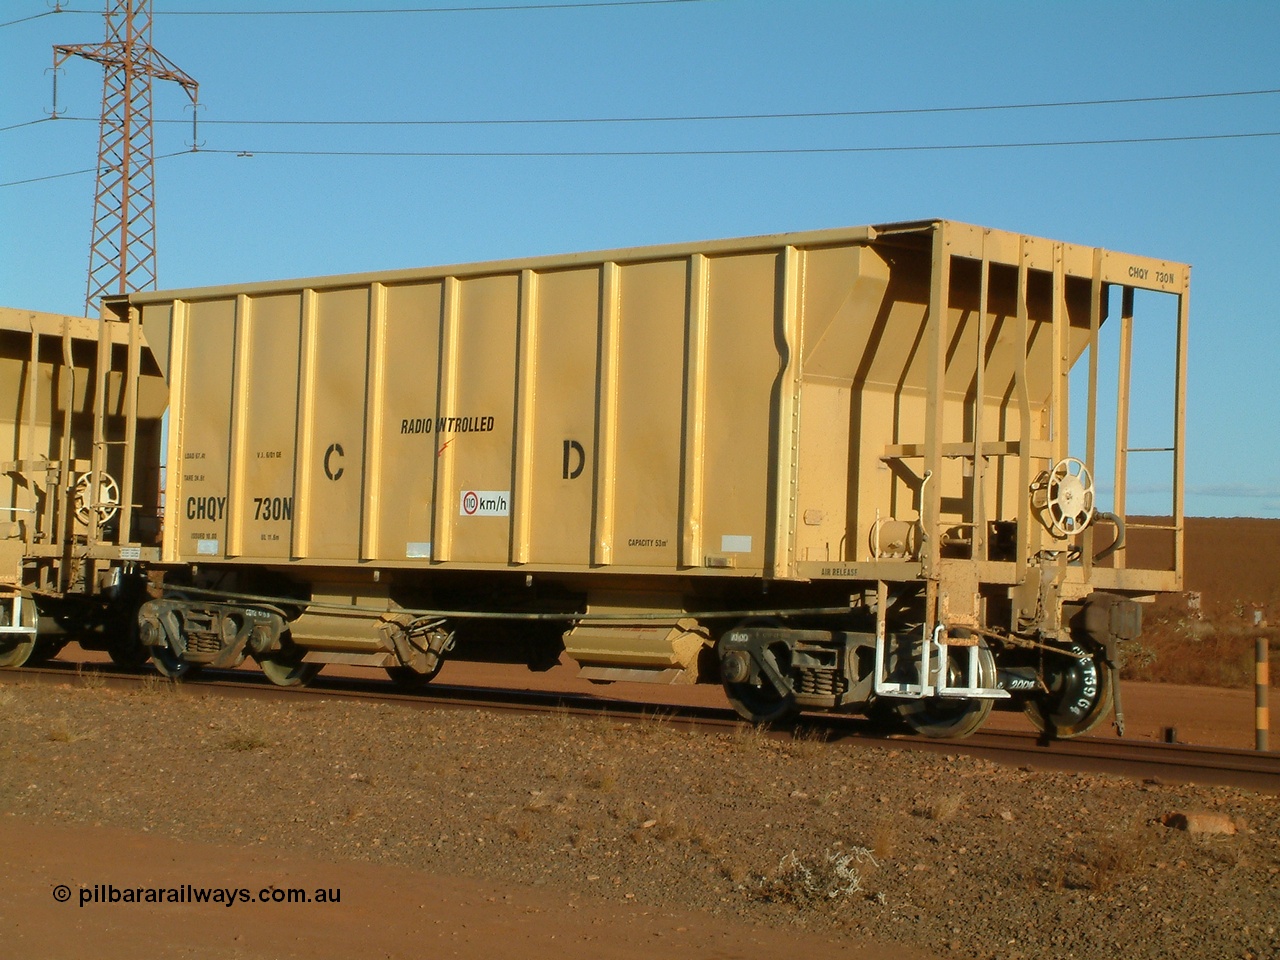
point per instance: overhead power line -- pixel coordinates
(34, 16)
(702, 118)
(801, 115)
(483, 8)
(762, 151)
(31, 123)
(747, 151)
(480, 8)
(86, 170)
(51, 176)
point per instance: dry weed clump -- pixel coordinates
(884, 842)
(90, 679)
(626, 811)
(61, 730)
(671, 827)
(555, 768)
(517, 823)
(1102, 865)
(941, 808)
(809, 742)
(733, 871)
(749, 736)
(244, 737)
(154, 685)
(808, 881)
(603, 780)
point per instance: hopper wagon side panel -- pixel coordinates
(618, 415)
(262, 494)
(198, 475)
(405, 361)
(560, 474)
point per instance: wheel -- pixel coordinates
(17, 648)
(760, 704)
(46, 649)
(757, 700)
(152, 637)
(950, 717)
(407, 678)
(121, 641)
(1079, 697)
(174, 667)
(285, 667)
(288, 673)
(128, 653)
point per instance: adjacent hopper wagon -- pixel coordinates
(831, 470)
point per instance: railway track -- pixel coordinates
(1158, 762)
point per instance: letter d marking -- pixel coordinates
(570, 448)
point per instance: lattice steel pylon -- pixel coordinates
(122, 249)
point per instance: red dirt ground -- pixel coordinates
(394, 912)
(385, 911)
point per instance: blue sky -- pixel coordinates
(225, 218)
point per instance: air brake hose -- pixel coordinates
(1117, 543)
